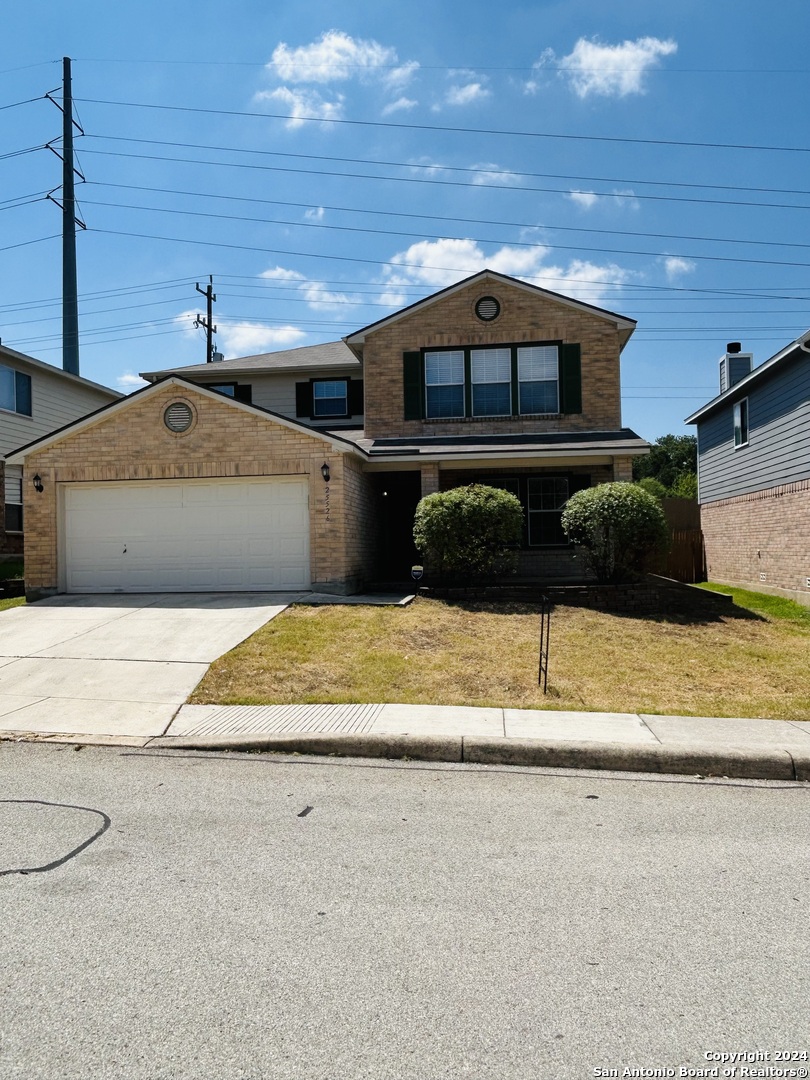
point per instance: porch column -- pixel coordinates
(623, 468)
(430, 479)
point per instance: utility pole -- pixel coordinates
(70, 297)
(208, 321)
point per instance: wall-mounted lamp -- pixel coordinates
(325, 472)
(37, 482)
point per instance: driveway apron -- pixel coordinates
(121, 664)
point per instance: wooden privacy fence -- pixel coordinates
(686, 560)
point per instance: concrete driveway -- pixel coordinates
(120, 664)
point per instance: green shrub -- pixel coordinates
(467, 532)
(620, 527)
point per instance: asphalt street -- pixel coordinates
(172, 914)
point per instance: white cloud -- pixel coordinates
(278, 273)
(610, 70)
(246, 338)
(439, 263)
(316, 213)
(400, 105)
(585, 199)
(303, 105)
(129, 381)
(675, 265)
(334, 56)
(319, 297)
(581, 279)
(468, 94)
(492, 174)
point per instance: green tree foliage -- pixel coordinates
(620, 527)
(671, 457)
(653, 487)
(467, 532)
(685, 486)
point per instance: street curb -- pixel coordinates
(417, 747)
(676, 759)
(739, 762)
(743, 763)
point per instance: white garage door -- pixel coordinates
(186, 535)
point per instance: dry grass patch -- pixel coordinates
(486, 655)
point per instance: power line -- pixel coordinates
(444, 183)
(447, 129)
(440, 217)
(443, 236)
(480, 171)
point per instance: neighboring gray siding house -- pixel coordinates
(754, 474)
(35, 399)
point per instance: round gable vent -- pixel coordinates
(487, 308)
(178, 417)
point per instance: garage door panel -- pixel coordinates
(187, 535)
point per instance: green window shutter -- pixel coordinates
(303, 399)
(355, 394)
(412, 380)
(570, 379)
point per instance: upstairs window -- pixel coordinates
(15, 391)
(491, 377)
(444, 384)
(741, 423)
(329, 398)
(538, 379)
(493, 381)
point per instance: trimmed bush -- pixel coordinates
(467, 532)
(621, 528)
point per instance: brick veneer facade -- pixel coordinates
(761, 541)
(451, 322)
(133, 443)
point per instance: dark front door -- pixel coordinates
(397, 496)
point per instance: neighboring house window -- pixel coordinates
(329, 399)
(496, 381)
(741, 423)
(444, 384)
(14, 510)
(15, 391)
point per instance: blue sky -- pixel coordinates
(328, 163)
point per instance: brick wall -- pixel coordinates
(452, 323)
(761, 541)
(135, 444)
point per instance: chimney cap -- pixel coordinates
(734, 347)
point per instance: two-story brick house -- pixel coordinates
(302, 469)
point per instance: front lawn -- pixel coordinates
(432, 652)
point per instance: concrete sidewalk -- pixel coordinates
(705, 746)
(117, 669)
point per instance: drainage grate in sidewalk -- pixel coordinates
(277, 719)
